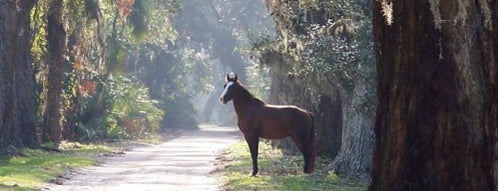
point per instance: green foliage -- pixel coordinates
(341, 51)
(182, 114)
(346, 54)
(133, 113)
(198, 70)
(126, 111)
(103, 103)
(341, 47)
(263, 43)
(260, 82)
(280, 172)
(326, 43)
(39, 36)
(174, 79)
(115, 56)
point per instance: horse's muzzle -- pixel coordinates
(222, 100)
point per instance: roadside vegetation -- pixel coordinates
(31, 169)
(278, 172)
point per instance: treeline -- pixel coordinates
(89, 70)
(92, 70)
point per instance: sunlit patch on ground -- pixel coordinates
(277, 172)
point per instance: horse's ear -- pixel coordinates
(232, 77)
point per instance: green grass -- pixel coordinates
(280, 172)
(34, 168)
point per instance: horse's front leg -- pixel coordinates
(253, 142)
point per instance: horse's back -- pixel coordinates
(280, 121)
(291, 111)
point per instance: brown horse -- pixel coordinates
(257, 119)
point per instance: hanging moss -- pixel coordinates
(139, 17)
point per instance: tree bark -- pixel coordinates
(355, 155)
(17, 91)
(323, 100)
(437, 95)
(56, 47)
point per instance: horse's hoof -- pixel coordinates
(308, 171)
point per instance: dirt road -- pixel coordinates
(183, 163)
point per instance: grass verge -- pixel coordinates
(278, 172)
(32, 169)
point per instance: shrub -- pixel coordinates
(133, 113)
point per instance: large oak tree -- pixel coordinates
(17, 77)
(437, 114)
(56, 48)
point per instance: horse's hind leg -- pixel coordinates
(309, 153)
(300, 144)
(253, 142)
(305, 146)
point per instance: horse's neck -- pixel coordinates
(245, 104)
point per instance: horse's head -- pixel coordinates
(230, 84)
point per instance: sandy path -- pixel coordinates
(182, 164)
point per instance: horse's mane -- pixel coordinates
(248, 95)
(258, 101)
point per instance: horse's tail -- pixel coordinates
(311, 140)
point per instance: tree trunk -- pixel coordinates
(322, 99)
(17, 95)
(211, 102)
(437, 95)
(55, 47)
(328, 124)
(355, 155)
